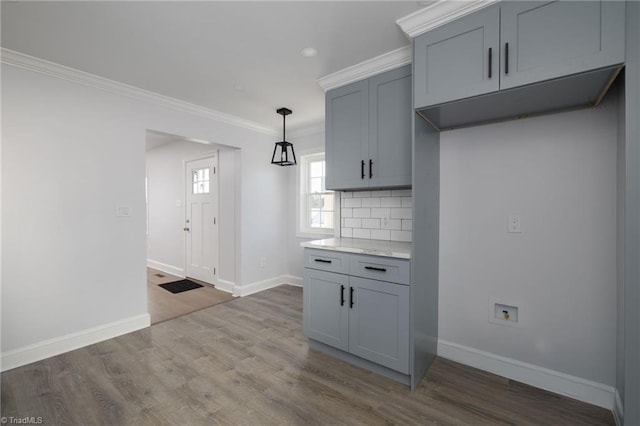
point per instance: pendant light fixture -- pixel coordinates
(283, 154)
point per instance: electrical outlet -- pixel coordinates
(263, 262)
(384, 222)
(123, 211)
(514, 224)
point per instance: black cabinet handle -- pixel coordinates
(506, 58)
(373, 268)
(341, 295)
(370, 168)
(321, 260)
(351, 297)
(362, 169)
(490, 61)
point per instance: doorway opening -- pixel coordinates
(184, 218)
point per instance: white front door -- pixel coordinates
(201, 222)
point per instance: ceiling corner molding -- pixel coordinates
(310, 129)
(439, 13)
(387, 61)
(31, 63)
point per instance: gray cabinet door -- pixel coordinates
(379, 323)
(452, 62)
(390, 113)
(326, 316)
(347, 134)
(326, 313)
(552, 39)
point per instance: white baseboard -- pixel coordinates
(69, 342)
(258, 286)
(293, 280)
(169, 269)
(224, 285)
(543, 378)
(618, 410)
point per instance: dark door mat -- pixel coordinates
(180, 286)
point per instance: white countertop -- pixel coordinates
(395, 249)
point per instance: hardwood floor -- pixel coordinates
(164, 305)
(246, 362)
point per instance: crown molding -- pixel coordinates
(439, 13)
(310, 129)
(387, 61)
(31, 63)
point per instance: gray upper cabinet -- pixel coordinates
(516, 43)
(368, 133)
(545, 40)
(347, 135)
(458, 60)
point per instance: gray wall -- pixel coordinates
(559, 173)
(632, 221)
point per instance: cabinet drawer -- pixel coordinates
(380, 268)
(326, 260)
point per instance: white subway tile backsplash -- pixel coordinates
(361, 194)
(393, 224)
(361, 212)
(401, 213)
(400, 235)
(391, 202)
(380, 234)
(352, 202)
(353, 223)
(381, 212)
(378, 215)
(362, 233)
(371, 202)
(371, 223)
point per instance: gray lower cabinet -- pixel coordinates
(365, 317)
(516, 43)
(368, 132)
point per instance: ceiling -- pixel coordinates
(239, 58)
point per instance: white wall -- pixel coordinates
(71, 154)
(559, 173)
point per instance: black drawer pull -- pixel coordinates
(490, 60)
(321, 260)
(341, 295)
(506, 58)
(370, 169)
(362, 170)
(351, 297)
(373, 268)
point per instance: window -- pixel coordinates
(200, 180)
(317, 204)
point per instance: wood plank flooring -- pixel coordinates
(164, 305)
(246, 362)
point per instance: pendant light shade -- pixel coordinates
(283, 154)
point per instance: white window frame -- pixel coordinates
(302, 229)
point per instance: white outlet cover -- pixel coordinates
(123, 211)
(514, 224)
(493, 301)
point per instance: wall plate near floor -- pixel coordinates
(505, 312)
